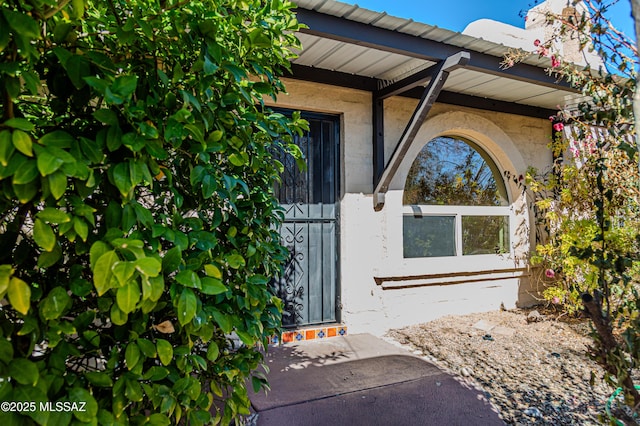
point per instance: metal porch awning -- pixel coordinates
(349, 46)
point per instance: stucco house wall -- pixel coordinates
(379, 289)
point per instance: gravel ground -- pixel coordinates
(534, 372)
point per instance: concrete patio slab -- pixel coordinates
(363, 380)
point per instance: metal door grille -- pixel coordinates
(308, 285)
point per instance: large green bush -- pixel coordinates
(139, 225)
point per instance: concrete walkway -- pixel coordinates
(362, 380)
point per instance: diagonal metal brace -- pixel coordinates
(429, 97)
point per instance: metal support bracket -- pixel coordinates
(438, 76)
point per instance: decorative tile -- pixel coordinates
(288, 337)
(308, 334)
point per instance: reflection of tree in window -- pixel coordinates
(453, 172)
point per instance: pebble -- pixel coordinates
(534, 316)
(532, 412)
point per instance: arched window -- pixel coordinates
(456, 202)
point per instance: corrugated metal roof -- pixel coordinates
(359, 60)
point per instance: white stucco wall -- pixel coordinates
(371, 242)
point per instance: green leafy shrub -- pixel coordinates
(572, 199)
(139, 225)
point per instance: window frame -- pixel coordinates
(458, 212)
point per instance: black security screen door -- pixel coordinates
(308, 285)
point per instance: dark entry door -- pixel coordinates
(308, 286)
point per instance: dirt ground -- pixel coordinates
(534, 372)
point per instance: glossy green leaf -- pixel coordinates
(22, 23)
(132, 355)
(54, 305)
(128, 297)
(19, 294)
(153, 288)
(53, 215)
(47, 161)
(6, 147)
(213, 271)
(57, 184)
(171, 260)
(58, 139)
(224, 321)
(237, 72)
(122, 179)
(20, 123)
(238, 159)
(188, 278)
(165, 351)
(92, 337)
(117, 316)
(213, 351)
(246, 338)
(98, 84)
(114, 138)
(6, 350)
(106, 116)
(256, 384)
(156, 373)
(187, 305)
(124, 85)
(22, 142)
(258, 280)
(80, 287)
(81, 227)
(26, 192)
(4, 33)
(99, 379)
(83, 397)
(23, 371)
(43, 235)
(5, 277)
(35, 395)
(25, 174)
(98, 249)
(133, 391)
(102, 271)
(195, 132)
(149, 266)
(212, 286)
(209, 186)
(235, 260)
(123, 271)
(50, 258)
(147, 348)
(92, 150)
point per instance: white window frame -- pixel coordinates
(458, 212)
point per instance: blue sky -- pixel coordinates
(456, 14)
